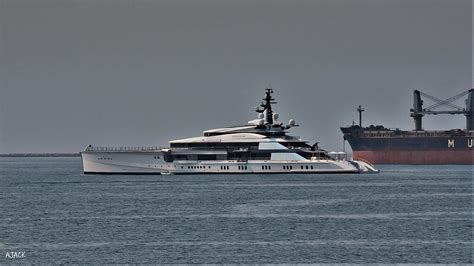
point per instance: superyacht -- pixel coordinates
(262, 146)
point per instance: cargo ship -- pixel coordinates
(380, 145)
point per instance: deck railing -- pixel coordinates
(118, 149)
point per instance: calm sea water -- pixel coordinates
(409, 214)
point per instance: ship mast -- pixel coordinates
(267, 106)
(360, 110)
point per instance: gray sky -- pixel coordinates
(74, 73)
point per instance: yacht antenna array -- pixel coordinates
(267, 106)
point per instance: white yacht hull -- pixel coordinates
(123, 162)
(152, 162)
(262, 146)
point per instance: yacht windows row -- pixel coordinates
(245, 167)
(236, 156)
(240, 167)
(197, 167)
(222, 167)
(234, 145)
(289, 167)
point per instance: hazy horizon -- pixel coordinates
(141, 73)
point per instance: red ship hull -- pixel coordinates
(417, 157)
(380, 145)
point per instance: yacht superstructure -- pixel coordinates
(261, 146)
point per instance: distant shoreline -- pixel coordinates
(40, 155)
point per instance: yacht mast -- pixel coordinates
(267, 106)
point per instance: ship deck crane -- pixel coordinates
(417, 112)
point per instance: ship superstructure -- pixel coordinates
(263, 145)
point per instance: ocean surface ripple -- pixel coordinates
(405, 214)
